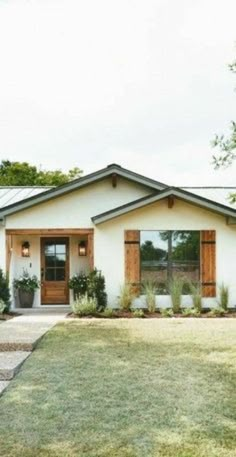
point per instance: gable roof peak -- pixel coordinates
(113, 165)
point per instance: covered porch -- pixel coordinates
(54, 256)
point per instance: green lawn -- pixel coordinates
(125, 388)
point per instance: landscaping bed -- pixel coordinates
(145, 314)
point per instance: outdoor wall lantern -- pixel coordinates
(82, 248)
(25, 249)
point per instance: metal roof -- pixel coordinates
(216, 194)
(10, 194)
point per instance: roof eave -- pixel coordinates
(175, 192)
(79, 183)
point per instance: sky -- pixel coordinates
(141, 83)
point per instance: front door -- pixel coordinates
(54, 271)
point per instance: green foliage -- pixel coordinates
(190, 312)
(2, 306)
(126, 297)
(227, 146)
(166, 312)
(4, 291)
(85, 306)
(149, 252)
(224, 296)
(26, 282)
(149, 289)
(97, 289)
(108, 312)
(24, 174)
(138, 313)
(196, 294)
(218, 311)
(79, 283)
(176, 288)
(93, 285)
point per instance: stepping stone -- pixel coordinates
(10, 363)
(3, 385)
(23, 333)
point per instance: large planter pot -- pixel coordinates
(26, 298)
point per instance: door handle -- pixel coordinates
(42, 274)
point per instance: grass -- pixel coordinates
(127, 388)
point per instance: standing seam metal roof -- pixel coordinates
(10, 194)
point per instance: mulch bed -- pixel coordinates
(128, 315)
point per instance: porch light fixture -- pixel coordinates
(82, 248)
(25, 249)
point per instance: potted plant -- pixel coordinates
(26, 286)
(79, 284)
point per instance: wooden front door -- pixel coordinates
(54, 271)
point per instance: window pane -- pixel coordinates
(185, 246)
(49, 260)
(189, 272)
(167, 255)
(49, 249)
(154, 257)
(50, 274)
(60, 274)
(60, 248)
(185, 255)
(60, 260)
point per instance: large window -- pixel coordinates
(169, 254)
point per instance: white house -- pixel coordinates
(131, 228)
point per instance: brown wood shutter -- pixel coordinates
(132, 258)
(208, 263)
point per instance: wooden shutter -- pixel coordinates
(132, 258)
(208, 263)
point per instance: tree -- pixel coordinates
(227, 146)
(24, 174)
(149, 252)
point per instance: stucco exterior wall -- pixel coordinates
(75, 210)
(109, 246)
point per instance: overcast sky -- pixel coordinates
(143, 83)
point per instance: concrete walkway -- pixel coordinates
(18, 337)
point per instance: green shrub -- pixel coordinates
(79, 284)
(4, 291)
(108, 312)
(126, 297)
(218, 311)
(175, 288)
(190, 312)
(85, 306)
(2, 306)
(196, 294)
(149, 289)
(224, 296)
(97, 289)
(166, 312)
(92, 284)
(138, 313)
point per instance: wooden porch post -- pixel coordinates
(8, 254)
(91, 250)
